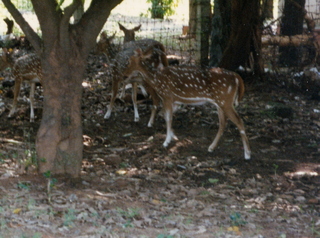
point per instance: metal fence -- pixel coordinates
(169, 31)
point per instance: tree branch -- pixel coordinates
(33, 37)
(65, 20)
(93, 19)
(49, 15)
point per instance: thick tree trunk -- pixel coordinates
(245, 22)
(63, 49)
(59, 140)
(267, 9)
(221, 27)
(292, 24)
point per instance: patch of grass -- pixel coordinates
(164, 236)
(204, 193)
(314, 231)
(69, 217)
(3, 222)
(30, 159)
(130, 214)
(24, 185)
(275, 166)
(31, 203)
(236, 219)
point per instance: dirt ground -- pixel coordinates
(133, 187)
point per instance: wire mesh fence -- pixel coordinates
(170, 31)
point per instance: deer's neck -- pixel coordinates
(147, 70)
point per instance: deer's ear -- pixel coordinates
(122, 28)
(137, 28)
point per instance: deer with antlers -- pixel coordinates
(194, 86)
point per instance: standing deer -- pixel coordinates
(194, 86)
(120, 64)
(25, 68)
(157, 59)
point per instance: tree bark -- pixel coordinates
(220, 32)
(59, 141)
(296, 40)
(292, 24)
(244, 37)
(203, 27)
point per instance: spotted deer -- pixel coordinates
(194, 86)
(104, 45)
(157, 60)
(120, 63)
(25, 68)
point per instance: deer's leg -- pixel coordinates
(31, 98)
(155, 104)
(115, 87)
(168, 110)
(123, 91)
(222, 125)
(235, 118)
(134, 101)
(16, 92)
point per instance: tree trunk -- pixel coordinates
(221, 27)
(202, 32)
(267, 9)
(59, 140)
(292, 24)
(192, 18)
(63, 50)
(245, 22)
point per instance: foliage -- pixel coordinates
(23, 5)
(161, 8)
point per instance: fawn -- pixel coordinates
(25, 68)
(120, 64)
(194, 86)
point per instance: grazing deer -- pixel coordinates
(194, 86)
(120, 63)
(25, 68)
